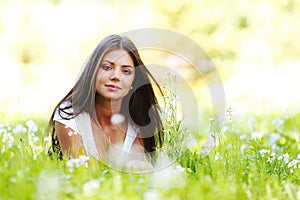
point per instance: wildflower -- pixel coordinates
(77, 162)
(273, 138)
(32, 139)
(293, 164)
(242, 137)
(32, 126)
(38, 148)
(286, 158)
(262, 152)
(278, 122)
(287, 112)
(19, 129)
(8, 141)
(218, 157)
(65, 176)
(35, 139)
(229, 114)
(13, 179)
(271, 159)
(92, 185)
(257, 135)
(47, 139)
(243, 147)
(211, 118)
(251, 121)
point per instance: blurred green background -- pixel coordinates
(253, 44)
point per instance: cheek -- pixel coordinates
(101, 76)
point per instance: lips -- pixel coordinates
(113, 87)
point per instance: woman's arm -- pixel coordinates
(69, 141)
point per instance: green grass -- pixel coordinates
(257, 158)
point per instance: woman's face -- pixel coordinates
(115, 74)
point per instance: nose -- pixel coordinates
(115, 75)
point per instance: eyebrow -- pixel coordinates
(112, 63)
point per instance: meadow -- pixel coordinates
(255, 47)
(256, 157)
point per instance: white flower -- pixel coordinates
(218, 157)
(19, 129)
(38, 148)
(273, 154)
(211, 119)
(251, 121)
(77, 162)
(35, 139)
(47, 139)
(273, 138)
(242, 137)
(8, 139)
(286, 157)
(257, 135)
(262, 152)
(32, 126)
(278, 122)
(270, 159)
(293, 163)
(91, 185)
(243, 147)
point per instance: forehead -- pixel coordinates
(118, 55)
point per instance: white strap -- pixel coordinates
(129, 139)
(127, 145)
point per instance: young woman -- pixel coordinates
(111, 106)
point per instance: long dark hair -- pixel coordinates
(139, 106)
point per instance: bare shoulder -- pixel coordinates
(69, 140)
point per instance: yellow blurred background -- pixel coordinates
(254, 45)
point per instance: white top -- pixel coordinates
(81, 124)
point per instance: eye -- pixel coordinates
(106, 67)
(126, 71)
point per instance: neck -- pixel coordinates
(105, 108)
